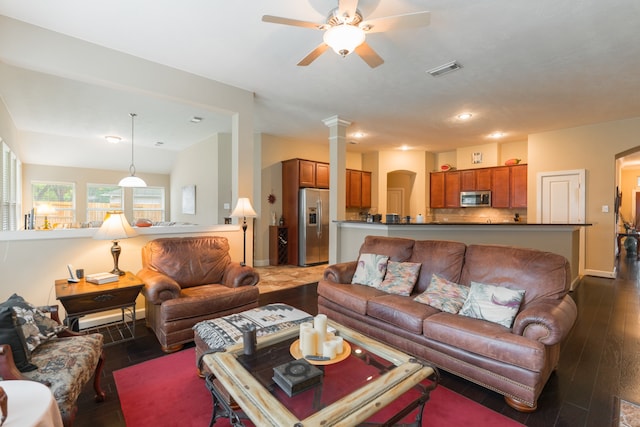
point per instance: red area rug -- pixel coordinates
(167, 392)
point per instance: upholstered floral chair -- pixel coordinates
(34, 346)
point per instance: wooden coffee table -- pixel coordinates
(351, 391)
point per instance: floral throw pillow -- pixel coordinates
(370, 269)
(444, 295)
(400, 277)
(495, 304)
(34, 325)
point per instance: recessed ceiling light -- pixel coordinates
(195, 119)
(113, 139)
(464, 116)
(404, 147)
(359, 135)
(444, 69)
(496, 135)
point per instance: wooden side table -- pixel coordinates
(82, 298)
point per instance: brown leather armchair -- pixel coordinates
(191, 279)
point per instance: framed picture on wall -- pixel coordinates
(189, 199)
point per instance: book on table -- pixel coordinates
(102, 278)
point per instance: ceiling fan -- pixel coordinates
(345, 31)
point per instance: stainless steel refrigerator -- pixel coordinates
(313, 228)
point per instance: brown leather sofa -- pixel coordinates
(191, 279)
(515, 362)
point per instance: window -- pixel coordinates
(54, 204)
(102, 198)
(148, 203)
(11, 203)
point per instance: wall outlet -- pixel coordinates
(227, 206)
(605, 208)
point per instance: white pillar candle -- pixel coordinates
(320, 325)
(303, 326)
(329, 349)
(339, 343)
(308, 339)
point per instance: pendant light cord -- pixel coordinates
(132, 168)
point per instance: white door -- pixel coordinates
(395, 201)
(561, 197)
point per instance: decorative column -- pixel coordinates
(337, 180)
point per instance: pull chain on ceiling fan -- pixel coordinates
(345, 31)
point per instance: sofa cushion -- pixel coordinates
(400, 278)
(67, 364)
(492, 303)
(351, 297)
(206, 300)
(9, 334)
(541, 274)
(190, 261)
(35, 326)
(400, 311)
(370, 270)
(396, 248)
(440, 257)
(485, 339)
(444, 295)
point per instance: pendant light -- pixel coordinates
(132, 180)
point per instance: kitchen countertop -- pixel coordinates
(439, 223)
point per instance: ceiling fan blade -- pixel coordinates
(369, 55)
(347, 8)
(292, 22)
(313, 55)
(397, 22)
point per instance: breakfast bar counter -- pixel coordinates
(563, 239)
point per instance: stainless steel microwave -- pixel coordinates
(469, 199)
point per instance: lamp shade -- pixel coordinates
(243, 209)
(132, 181)
(115, 227)
(344, 38)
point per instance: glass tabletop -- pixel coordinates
(371, 377)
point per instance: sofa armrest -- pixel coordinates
(158, 287)
(8, 368)
(236, 275)
(340, 273)
(547, 321)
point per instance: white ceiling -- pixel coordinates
(528, 67)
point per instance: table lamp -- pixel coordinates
(243, 210)
(115, 227)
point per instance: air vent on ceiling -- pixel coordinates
(444, 69)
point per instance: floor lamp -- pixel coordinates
(243, 210)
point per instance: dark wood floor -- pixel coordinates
(599, 363)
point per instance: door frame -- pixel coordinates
(582, 208)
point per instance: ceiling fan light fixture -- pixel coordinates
(344, 38)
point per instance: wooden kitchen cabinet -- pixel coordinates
(358, 189)
(307, 173)
(436, 189)
(475, 179)
(500, 188)
(322, 175)
(366, 189)
(518, 186)
(452, 189)
(483, 179)
(468, 180)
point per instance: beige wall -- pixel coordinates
(81, 177)
(592, 148)
(197, 165)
